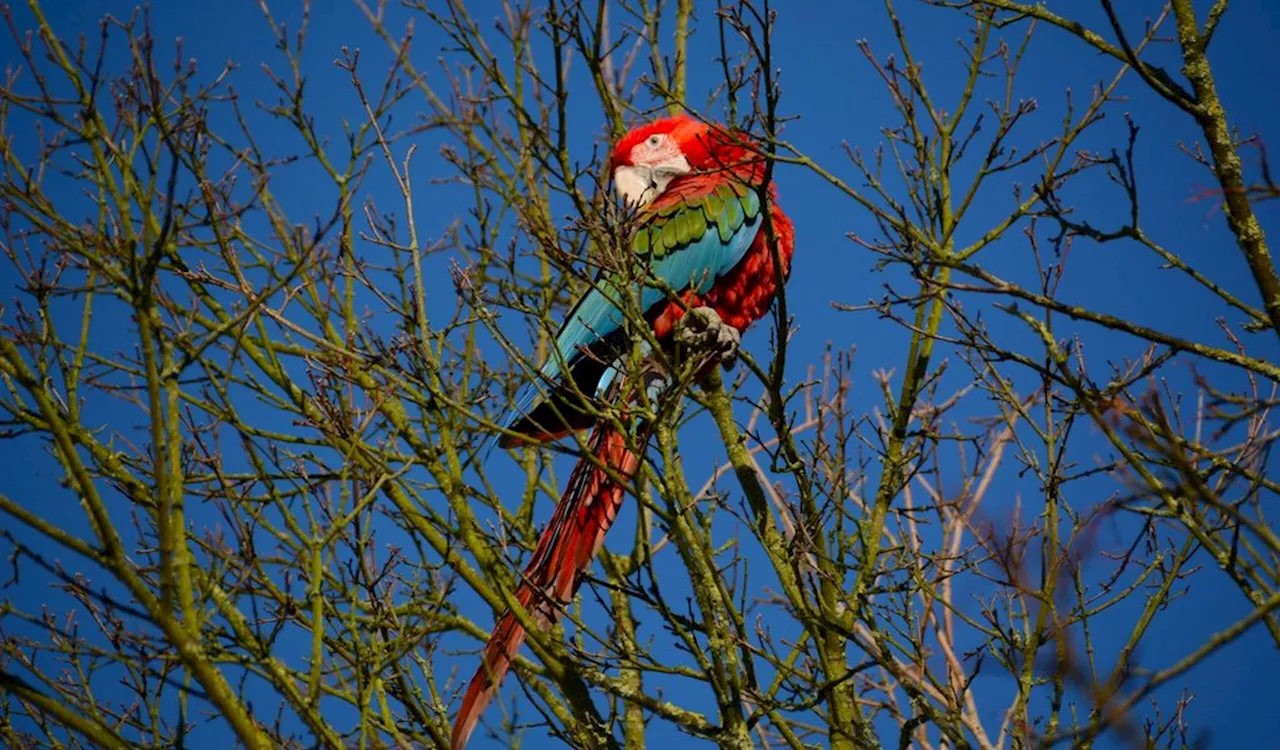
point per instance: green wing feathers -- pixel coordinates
(724, 210)
(686, 242)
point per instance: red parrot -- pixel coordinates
(697, 190)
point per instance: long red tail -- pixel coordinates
(568, 544)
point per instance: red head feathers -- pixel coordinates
(647, 159)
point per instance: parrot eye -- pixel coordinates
(655, 140)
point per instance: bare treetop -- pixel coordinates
(993, 471)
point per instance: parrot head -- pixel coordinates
(648, 158)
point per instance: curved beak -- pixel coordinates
(638, 184)
(635, 185)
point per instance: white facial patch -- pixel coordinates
(655, 162)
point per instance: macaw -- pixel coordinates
(697, 190)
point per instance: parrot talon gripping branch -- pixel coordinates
(701, 200)
(702, 331)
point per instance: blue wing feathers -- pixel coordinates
(711, 248)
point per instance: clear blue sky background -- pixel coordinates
(839, 99)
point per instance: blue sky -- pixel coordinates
(839, 99)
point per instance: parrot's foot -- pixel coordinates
(703, 332)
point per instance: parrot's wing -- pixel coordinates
(690, 238)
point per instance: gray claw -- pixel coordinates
(701, 330)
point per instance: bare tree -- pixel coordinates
(271, 516)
